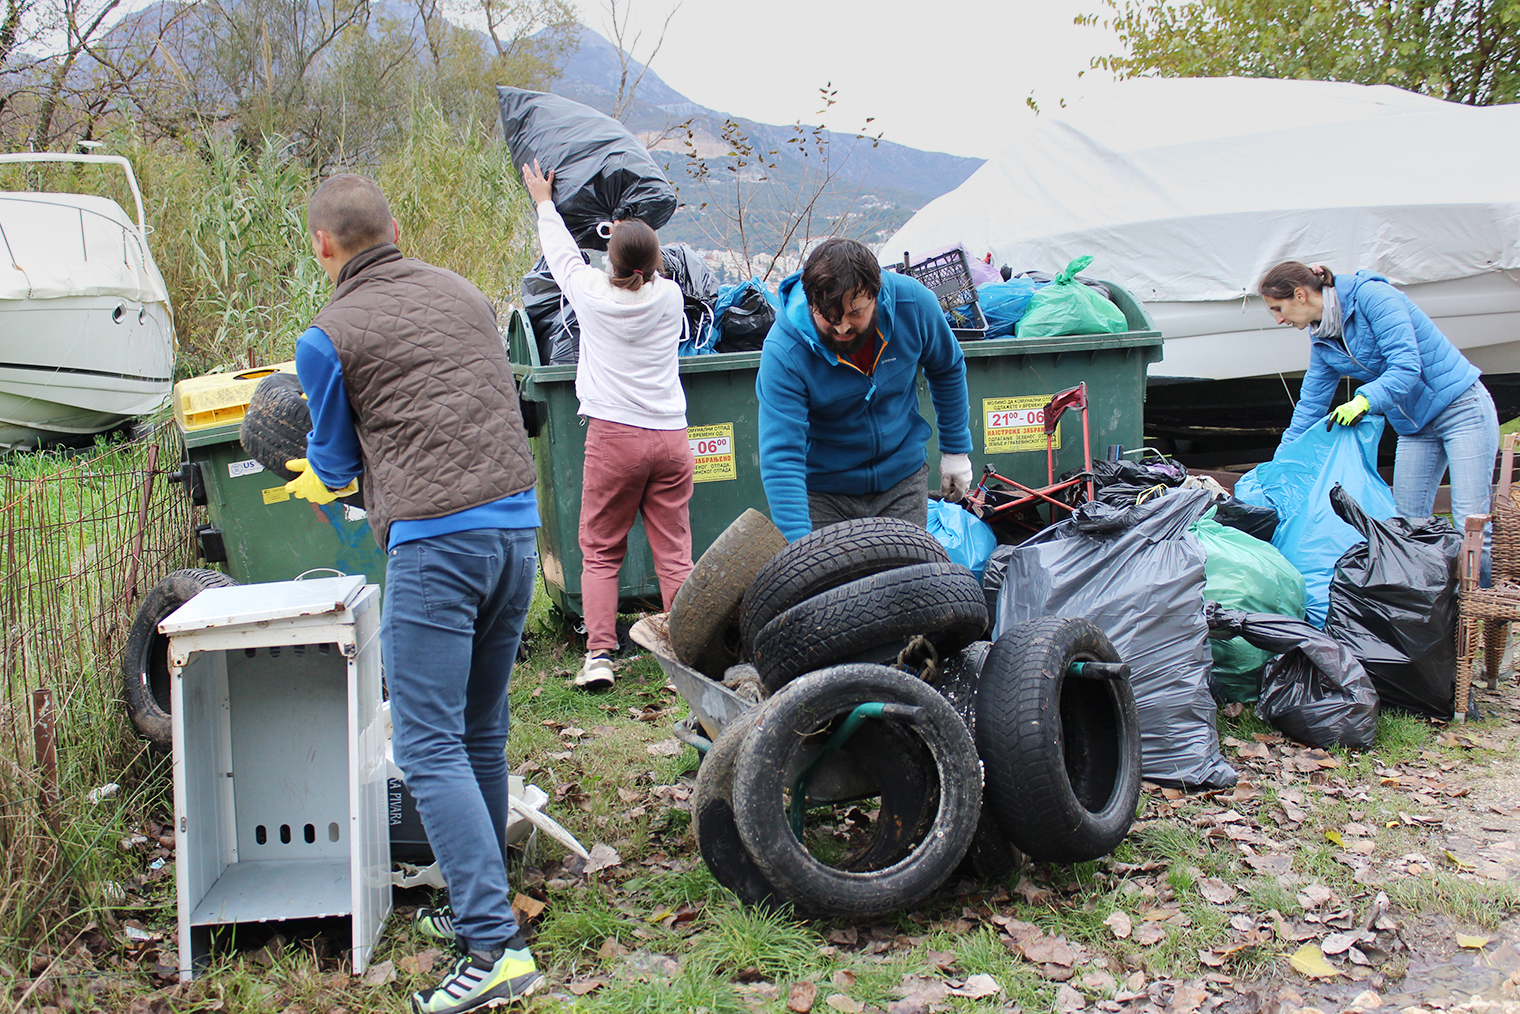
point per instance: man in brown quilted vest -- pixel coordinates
(409, 384)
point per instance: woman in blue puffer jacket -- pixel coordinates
(1362, 327)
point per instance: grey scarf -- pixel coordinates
(1329, 325)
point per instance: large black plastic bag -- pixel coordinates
(1256, 521)
(1393, 602)
(699, 286)
(601, 172)
(744, 319)
(554, 325)
(1314, 690)
(1138, 574)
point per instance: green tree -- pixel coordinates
(1459, 50)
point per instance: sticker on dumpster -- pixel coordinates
(237, 469)
(1016, 424)
(276, 494)
(713, 447)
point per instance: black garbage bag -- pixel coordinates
(1146, 473)
(746, 321)
(1314, 689)
(554, 324)
(1393, 602)
(699, 286)
(1138, 574)
(1258, 521)
(601, 171)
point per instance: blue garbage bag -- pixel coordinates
(967, 538)
(1004, 303)
(1297, 483)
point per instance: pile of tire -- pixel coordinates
(978, 753)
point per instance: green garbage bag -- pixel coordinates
(1066, 306)
(1240, 568)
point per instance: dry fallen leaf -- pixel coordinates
(380, 975)
(603, 857)
(1120, 923)
(585, 986)
(527, 907)
(1148, 933)
(1215, 891)
(1308, 960)
(665, 748)
(800, 999)
(1474, 943)
(977, 986)
(1068, 1000)
(845, 1004)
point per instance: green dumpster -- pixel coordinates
(1001, 375)
(257, 531)
(1010, 380)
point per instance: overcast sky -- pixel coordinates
(940, 75)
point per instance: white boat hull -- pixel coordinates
(86, 330)
(78, 365)
(1228, 340)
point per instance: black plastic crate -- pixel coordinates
(949, 278)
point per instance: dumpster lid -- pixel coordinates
(242, 604)
(214, 399)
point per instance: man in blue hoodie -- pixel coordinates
(840, 433)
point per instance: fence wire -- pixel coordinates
(82, 537)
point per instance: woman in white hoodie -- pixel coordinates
(638, 459)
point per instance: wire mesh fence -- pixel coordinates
(83, 535)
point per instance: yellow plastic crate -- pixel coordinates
(219, 398)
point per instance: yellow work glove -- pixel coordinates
(307, 486)
(1348, 414)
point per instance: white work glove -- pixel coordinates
(954, 475)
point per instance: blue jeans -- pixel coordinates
(1463, 438)
(454, 611)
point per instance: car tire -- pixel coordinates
(275, 425)
(827, 558)
(704, 609)
(875, 616)
(784, 729)
(1061, 752)
(145, 662)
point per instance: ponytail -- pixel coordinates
(1283, 280)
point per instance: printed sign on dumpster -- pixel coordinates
(713, 447)
(1015, 424)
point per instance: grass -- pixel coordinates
(711, 959)
(681, 942)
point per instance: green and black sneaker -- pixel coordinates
(436, 924)
(481, 980)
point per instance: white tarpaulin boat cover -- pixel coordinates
(57, 245)
(1190, 189)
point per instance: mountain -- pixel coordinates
(874, 186)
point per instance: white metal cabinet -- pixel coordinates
(279, 760)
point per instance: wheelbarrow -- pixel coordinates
(852, 791)
(714, 707)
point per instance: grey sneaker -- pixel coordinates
(596, 673)
(482, 980)
(435, 923)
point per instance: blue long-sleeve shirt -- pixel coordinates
(333, 451)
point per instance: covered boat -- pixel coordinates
(1187, 190)
(86, 330)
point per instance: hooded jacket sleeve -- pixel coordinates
(1314, 396)
(1386, 314)
(783, 444)
(945, 369)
